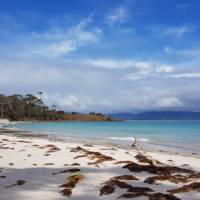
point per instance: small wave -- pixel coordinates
(20, 122)
(11, 128)
(129, 139)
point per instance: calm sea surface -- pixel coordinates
(169, 133)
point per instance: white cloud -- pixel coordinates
(69, 101)
(117, 16)
(84, 89)
(62, 40)
(154, 70)
(167, 49)
(117, 63)
(136, 69)
(175, 31)
(169, 102)
(135, 76)
(171, 31)
(165, 69)
(186, 75)
(193, 52)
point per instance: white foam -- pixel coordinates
(129, 139)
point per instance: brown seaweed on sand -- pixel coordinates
(178, 178)
(24, 141)
(160, 170)
(80, 156)
(49, 164)
(73, 170)
(155, 196)
(11, 164)
(186, 188)
(146, 159)
(124, 177)
(35, 145)
(110, 186)
(6, 140)
(18, 182)
(100, 158)
(52, 148)
(166, 173)
(75, 164)
(161, 196)
(22, 150)
(70, 184)
(3, 147)
(123, 162)
(194, 175)
(107, 149)
(129, 195)
(88, 145)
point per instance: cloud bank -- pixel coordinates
(101, 64)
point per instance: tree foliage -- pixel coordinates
(28, 107)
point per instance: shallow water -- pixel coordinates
(184, 134)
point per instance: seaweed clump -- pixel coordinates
(73, 170)
(178, 178)
(115, 182)
(161, 196)
(146, 159)
(18, 182)
(110, 186)
(154, 169)
(92, 155)
(52, 148)
(186, 188)
(70, 184)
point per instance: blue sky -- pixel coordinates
(107, 56)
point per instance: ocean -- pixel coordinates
(183, 135)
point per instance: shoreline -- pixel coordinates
(146, 145)
(181, 144)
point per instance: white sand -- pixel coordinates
(42, 185)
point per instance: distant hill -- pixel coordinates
(158, 115)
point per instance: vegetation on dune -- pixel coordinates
(86, 117)
(29, 107)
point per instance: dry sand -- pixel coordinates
(32, 168)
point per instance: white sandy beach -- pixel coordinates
(39, 167)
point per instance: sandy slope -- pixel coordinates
(30, 160)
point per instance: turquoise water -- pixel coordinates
(177, 133)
